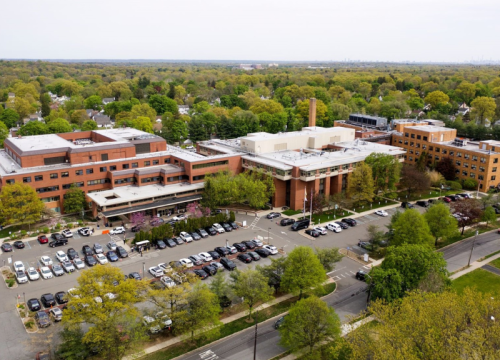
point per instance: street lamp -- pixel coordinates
(255, 339)
(268, 229)
(472, 248)
(143, 269)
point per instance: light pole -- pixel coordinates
(143, 269)
(472, 248)
(255, 339)
(268, 242)
(24, 297)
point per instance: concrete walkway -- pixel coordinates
(475, 265)
(491, 269)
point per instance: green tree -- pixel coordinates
(414, 263)
(308, 323)
(9, 117)
(252, 286)
(303, 270)
(466, 91)
(197, 130)
(89, 125)
(219, 286)
(143, 110)
(437, 98)
(385, 284)
(244, 122)
(74, 200)
(4, 133)
(483, 108)
(72, 346)
(360, 186)
(143, 123)
(413, 180)
(19, 204)
(411, 228)
(163, 104)
(441, 224)
(268, 106)
(33, 128)
(58, 126)
(178, 131)
(489, 215)
(45, 104)
(386, 170)
(328, 257)
(93, 102)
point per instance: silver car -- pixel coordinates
(217, 265)
(56, 314)
(79, 264)
(57, 270)
(68, 266)
(98, 248)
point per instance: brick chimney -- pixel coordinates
(312, 112)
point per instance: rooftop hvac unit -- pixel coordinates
(460, 142)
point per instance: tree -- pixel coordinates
(197, 130)
(437, 98)
(489, 199)
(163, 104)
(466, 91)
(33, 128)
(273, 271)
(269, 106)
(328, 257)
(21, 106)
(143, 110)
(360, 186)
(385, 284)
(308, 323)
(318, 203)
(386, 170)
(463, 326)
(78, 117)
(45, 104)
(483, 108)
(469, 212)
(112, 322)
(303, 270)
(245, 122)
(219, 286)
(4, 133)
(375, 234)
(414, 262)
(303, 110)
(72, 346)
(446, 167)
(93, 102)
(489, 215)
(89, 125)
(9, 117)
(142, 123)
(74, 200)
(19, 204)
(178, 131)
(252, 286)
(411, 228)
(58, 126)
(441, 224)
(413, 180)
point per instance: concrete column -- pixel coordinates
(279, 197)
(336, 184)
(327, 187)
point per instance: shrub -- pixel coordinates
(45, 229)
(469, 184)
(23, 232)
(80, 223)
(454, 185)
(232, 217)
(391, 195)
(58, 226)
(10, 282)
(29, 324)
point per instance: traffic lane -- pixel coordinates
(348, 300)
(345, 271)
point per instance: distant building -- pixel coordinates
(184, 109)
(368, 121)
(106, 101)
(273, 65)
(463, 109)
(103, 121)
(250, 66)
(12, 95)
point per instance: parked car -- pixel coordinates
(42, 239)
(210, 230)
(196, 260)
(245, 258)
(223, 251)
(240, 247)
(349, 221)
(150, 324)
(33, 304)
(56, 243)
(67, 233)
(273, 215)
(160, 244)
(156, 271)
(343, 225)
(48, 300)
(453, 197)
(234, 225)
(45, 273)
(111, 245)
(179, 217)
(214, 254)
(382, 213)
(286, 221)
(312, 232)
(57, 270)
(68, 266)
(57, 236)
(61, 256)
(407, 205)
(250, 245)
(218, 228)
(136, 228)
(121, 252)
(111, 255)
(217, 265)
(206, 257)
(257, 242)
(42, 319)
(186, 262)
(210, 270)
(446, 199)
(195, 236)
(167, 281)
(84, 231)
(79, 264)
(254, 255)
(61, 297)
(228, 264)
(465, 195)
(21, 277)
(279, 322)
(202, 274)
(263, 252)
(272, 249)
(6, 247)
(56, 314)
(334, 227)
(87, 250)
(72, 253)
(361, 275)
(300, 224)
(117, 230)
(166, 268)
(19, 266)
(46, 260)
(227, 227)
(101, 258)
(321, 230)
(178, 240)
(171, 243)
(165, 321)
(422, 203)
(33, 275)
(186, 237)
(90, 260)
(365, 245)
(98, 248)
(19, 244)
(134, 275)
(202, 233)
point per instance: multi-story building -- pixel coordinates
(477, 160)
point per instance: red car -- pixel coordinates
(42, 239)
(446, 199)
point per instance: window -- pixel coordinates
(411, 158)
(444, 151)
(466, 156)
(424, 146)
(201, 177)
(167, 161)
(480, 177)
(412, 143)
(89, 171)
(65, 174)
(38, 177)
(100, 181)
(400, 141)
(68, 186)
(466, 165)
(51, 199)
(418, 146)
(495, 161)
(90, 158)
(156, 162)
(217, 163)
(425, 138)
(464, 173)
(10, 181)
(472, 175)
(483, 160)
(125, 181)
(438, 150)
(54, 175)
(406, 142)
(406, 134)
(417, 153)
(459, 154)
(458, 163)
(473, 167)
(147, 163)
(135, 165)
(185, 177)
(481, 169)
(104, 157)
(125, 166)
(79, 172)
(47, 189)
(411, 151)
(452, 152)
(436, 158)
(494, 169)
(430, 148)
(412, 136)
(492, 148)
(418, 137)
(474, 158)
(103, 169)
(493, 177)
(151, 179)
(27, 179)
(112, 168)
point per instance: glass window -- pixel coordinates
(430, 148)
(425, 138)
(480, 177)
(438, 150)
(54, 175)
(27, 179)
(495, 160)
(38, 177)
(65, 174)
(134, 165)
(481, 169)
(458, 163)
(89, 171)
(474, 158)
(79, 172)
(411, 158)
(412, 143)
(167, 161)
(406, 142)
(103, 169)
(464, 173)
(452, 152)
(472, 175)
(445, 151)
(418, 137)
(156, 162)
(104, 157)
(147, 163)
(418, 145)
(125, 166)
(217, 163)
(459, 154)
(47, 189)
(436, 158)
(406, 134)
(493, 177)
(412, 136)
(112, 168)
(466, 165)
(465, 156)
(10, 181)
(494, 169)
(424, 146)
(473, 166)
(483, 160)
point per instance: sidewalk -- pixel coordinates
(475, 265)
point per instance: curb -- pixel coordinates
(458, 242)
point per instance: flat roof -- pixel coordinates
(153, 205)
(312, 130)
(124, 194)
(428, 128)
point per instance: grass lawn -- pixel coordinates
(328, 216)
(232, 327)
(291, 212)
(375, 204)
(495, 263)
(482, 280)
(403, 195)
(467, 234)
(5, 232)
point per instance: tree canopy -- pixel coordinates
(19, 204)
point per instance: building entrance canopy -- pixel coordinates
(153, 205)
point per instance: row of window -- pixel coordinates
(211, 164)
(325, 170)
(418, 136)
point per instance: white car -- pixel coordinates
(218, 266)
(165, 267)
(186, 237)
(271, 249)
(156, 271)
(381, 213)
(165, 321)
(98, 248)
(117, 230)
(45, 272)
(186, 262)
(112, 245)
(19, 266)
(21, 277)
(167, 281)
(334, 227)
(68, 266)
(150, 323)
(67, 233)
(206, 257)
(110, 296)
(257, 242)
(179, 217)
(85, 231)
(218, 228)
(101, 258)
(79, 264)
(61, 256)
(46, 260)
(321, 230)
(33, 274)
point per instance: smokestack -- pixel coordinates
(312, 112)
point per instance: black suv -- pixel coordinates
(240, 247)
(57, 236)
(56, 243)
(72, 253)
(361, 275)
(48, 300)
(222, 251)
(87, 250)
(349, 221)
(407, 205)
(211, 230)
(227, 227)
(422, 203)
(228, 264)
(249, 244)
(286, 222)
(42, 319)
(121, 252)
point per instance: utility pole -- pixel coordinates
(255, 339)
(472, 248)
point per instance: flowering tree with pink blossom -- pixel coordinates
(194, 210)
(138, 218)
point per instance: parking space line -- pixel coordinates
(27, 244)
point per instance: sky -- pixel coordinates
(274, 30)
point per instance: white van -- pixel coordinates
(218, 228)
(334, 227)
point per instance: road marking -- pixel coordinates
(367, 267)
(352, 272)
(342, 275)
(27, 243)
(336, 278)
(208, 355)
